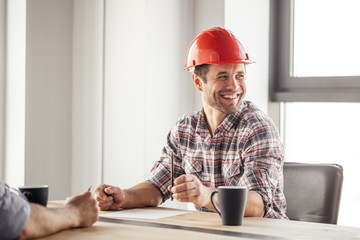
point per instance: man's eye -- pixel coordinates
(223, 77)
(240, 76)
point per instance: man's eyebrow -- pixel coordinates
(222, 73)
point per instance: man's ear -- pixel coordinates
(197, 82)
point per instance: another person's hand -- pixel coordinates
(188, 188)
(84, 206)
(109, 197)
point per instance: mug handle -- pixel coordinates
(213, 202)
(27, 194)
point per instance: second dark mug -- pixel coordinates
(232, 201)
(36, 194)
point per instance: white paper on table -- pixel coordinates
(140, 213)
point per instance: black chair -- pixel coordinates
(313, 191)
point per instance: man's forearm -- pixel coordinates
(142, 195)
(254, 205)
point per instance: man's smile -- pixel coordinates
(228, 96)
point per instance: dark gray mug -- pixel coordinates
(36, 194)
(232, 201)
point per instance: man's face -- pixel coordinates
(225, 87)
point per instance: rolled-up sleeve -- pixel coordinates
(263, 164)
(14, 212)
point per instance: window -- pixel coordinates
(327, 133)
(314, 69)
(314, 50)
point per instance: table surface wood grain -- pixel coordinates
(201, 225)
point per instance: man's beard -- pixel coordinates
(226, 109)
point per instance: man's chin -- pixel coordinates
(229, 110)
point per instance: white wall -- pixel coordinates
(146, 89)
(87, 95)
(2, 84)
(48, 139)
(14, 119)
(124, 92)
(249, 20)
(168, 89)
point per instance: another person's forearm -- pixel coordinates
(44, 221)
(142, 195)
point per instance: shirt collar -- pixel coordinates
(201, 126)
(224, 127)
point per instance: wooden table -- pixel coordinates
(200, 225)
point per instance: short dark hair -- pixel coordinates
(202, 70)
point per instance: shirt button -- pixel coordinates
(212, 150)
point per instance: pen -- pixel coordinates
(172, 172)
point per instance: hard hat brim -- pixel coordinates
(188, 68)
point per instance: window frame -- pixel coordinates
(286, 88)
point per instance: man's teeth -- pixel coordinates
(230, 96)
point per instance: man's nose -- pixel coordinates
(233, 83)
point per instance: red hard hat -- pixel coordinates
(216, 46)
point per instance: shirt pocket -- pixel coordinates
(232, 173)
(194, 167)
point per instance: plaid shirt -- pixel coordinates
(247, 137)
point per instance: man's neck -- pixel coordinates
(213, 119)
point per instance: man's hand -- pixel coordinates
(109, 197)
(188, 188)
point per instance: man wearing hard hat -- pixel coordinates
(229, 142)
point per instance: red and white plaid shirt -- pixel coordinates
(247, 137)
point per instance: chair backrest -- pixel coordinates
(313, 191)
